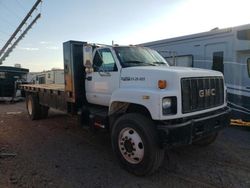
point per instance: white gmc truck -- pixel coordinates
(131, 91)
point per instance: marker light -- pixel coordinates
(162, 84)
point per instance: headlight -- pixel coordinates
(166, 103)
(169, 105)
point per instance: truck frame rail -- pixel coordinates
(50, 95)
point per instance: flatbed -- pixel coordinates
(44, 87)
(49, 95)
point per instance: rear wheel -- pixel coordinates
(135, 142)
(206, 140)
(33, 107)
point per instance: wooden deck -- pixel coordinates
(39, 87)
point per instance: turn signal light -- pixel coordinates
(162, 84)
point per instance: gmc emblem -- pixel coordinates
(206, 93)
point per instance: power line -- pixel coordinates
(20, 5)
(7, 8)
(6, 21)
(4, 33)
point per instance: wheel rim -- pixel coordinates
(29, 105)
(131, 145)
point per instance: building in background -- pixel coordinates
(53, 76)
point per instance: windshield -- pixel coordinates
(139, 56)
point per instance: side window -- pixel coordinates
(170, 60)
(181, 61)
(104, 61)
(248, 67)
(218, 61)
(243, 34)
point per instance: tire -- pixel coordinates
(134, 141)
(206, 140)
(33, 107)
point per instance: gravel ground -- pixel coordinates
(54, 152)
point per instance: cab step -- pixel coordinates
(95, 117)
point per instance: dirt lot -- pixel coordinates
(54, 152)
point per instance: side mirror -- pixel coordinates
(87, 59)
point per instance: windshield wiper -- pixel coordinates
(139, 63)
(159, 63)
(133, 62)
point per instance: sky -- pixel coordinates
(98, 21)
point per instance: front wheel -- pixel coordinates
(135, 142)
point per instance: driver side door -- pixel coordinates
(101, 83)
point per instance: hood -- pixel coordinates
(148, 76)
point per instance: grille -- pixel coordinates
(201, 93)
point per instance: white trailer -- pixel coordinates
(225, 50)
(53, 76)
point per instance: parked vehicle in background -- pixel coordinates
(10, 78)
(131, 91)
(225, 50)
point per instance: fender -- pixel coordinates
(148, 98)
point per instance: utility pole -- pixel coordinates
(7, 52)
(18, 29)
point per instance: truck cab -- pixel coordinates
(140, 76)
(107, 72)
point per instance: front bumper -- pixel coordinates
(188, 130)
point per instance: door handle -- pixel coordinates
(89, 78)
(104, 74)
